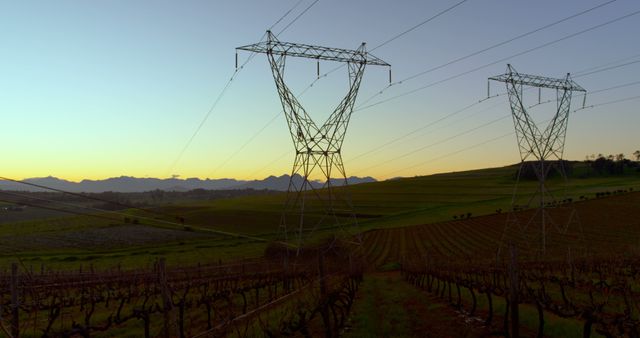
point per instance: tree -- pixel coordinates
(620, 157)
(637, 155)
(607, 166)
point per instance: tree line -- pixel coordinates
(599, 164)
(612, 164)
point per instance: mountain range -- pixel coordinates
(134, 184)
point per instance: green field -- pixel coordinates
(72, 241)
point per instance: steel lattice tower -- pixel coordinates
(542, 148)
(317, 148)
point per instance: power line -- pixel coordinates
(253, 137)
(186, 145)
(455, 152)
(608, 64)
(395, 37)
(581, 73)
(226, 86)
(506, 41)
(476, 69)
(180, 225)
(592, 93)
(475, 103)
(421, 128)
(211, 109)
(494, 46)
(491, 122)
(487, 49)
(274, 118)
(86, 196)
(615, 87)
(270, 163)
(610, 102)
(57, 209)
(499, 61)
(480, 101)
(297, 17)
(115, 212)
(202, 122)
(63, 203)
(476, 145)
(237, 235)
(421, 24)
(502, 136)
(438, 142)
(97, 216)
(286, 14)
(607, 68)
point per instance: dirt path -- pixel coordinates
(386, 306)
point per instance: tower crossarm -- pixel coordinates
(276, 47)
(514, 77)
(318, 148)
(544, 147)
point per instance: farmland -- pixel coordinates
(381, 205)
(609, 226)
(430, 242)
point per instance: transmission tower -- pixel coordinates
(318, 148)
(540, 150)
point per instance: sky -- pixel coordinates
(98, 89)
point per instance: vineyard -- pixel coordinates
(603, 226)
(603, 294)
(257, 297)
(597, 287)
(594, 286)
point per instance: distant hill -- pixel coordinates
(282, 182)
(133, 184)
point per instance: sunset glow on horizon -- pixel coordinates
(93, 90)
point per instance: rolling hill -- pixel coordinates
(127, 184)
(379, 205)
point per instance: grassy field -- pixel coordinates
(74, 240)
(385, 307)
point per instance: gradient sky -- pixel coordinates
(97, 89)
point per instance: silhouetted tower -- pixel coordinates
(318, 148)
(541, 150)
